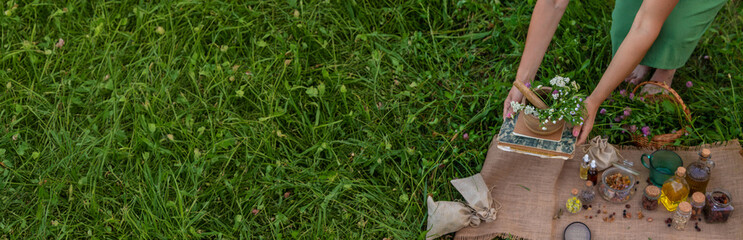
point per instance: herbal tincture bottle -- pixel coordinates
(593, 173)
(698, 173)
(674, 191)
(573, 204)
(681, 216)
(584, 167)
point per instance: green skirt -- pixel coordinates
(679, 35)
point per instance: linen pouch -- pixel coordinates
(446, 217)
(477, 194)
(602, 151)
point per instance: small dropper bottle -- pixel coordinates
(593, 173)
(584, 167)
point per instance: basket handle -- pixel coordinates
(676, 96)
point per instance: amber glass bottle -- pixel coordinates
(593, 173)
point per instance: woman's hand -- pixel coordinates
(582, 131)
(513, 95)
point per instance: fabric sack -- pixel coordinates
(447, 217)
(477, 194)
(602, 151)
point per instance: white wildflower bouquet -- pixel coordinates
(565, 102)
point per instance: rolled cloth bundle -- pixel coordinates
(446, 217)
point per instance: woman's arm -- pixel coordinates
(642, 34)
(544, 21)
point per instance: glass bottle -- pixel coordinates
(650, 197)
(698, 172)
(587, 194)
(584, 167)
(593, 173)
(674, 191)
(681, 216)
(697, 204)
(718, 207)
(573, 204)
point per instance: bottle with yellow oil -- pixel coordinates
(674, 190)
(584, 168)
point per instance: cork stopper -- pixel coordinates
(681, 171)
(698, 198)
(574, 191)
(652, 191)
(589, 184)
(685, 207)
(706, 153)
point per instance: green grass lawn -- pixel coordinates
(283, 119)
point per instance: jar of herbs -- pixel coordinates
(650, 198)
(617, 185)
(573, 204)
(587, 194)
(697, 204)
(681, 215)
(718, 207)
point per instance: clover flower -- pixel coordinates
(627, 111)
(645, 131)
(60, 44)
(602, 111)
(689, 84)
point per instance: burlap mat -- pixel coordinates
(533, 189)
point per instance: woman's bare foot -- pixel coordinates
(660, 75)
(638, 74)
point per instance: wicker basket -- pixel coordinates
(661, 140)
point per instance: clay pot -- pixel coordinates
(532, 122)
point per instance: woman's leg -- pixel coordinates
(638, 74)
(663, 75)
(660, 75)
